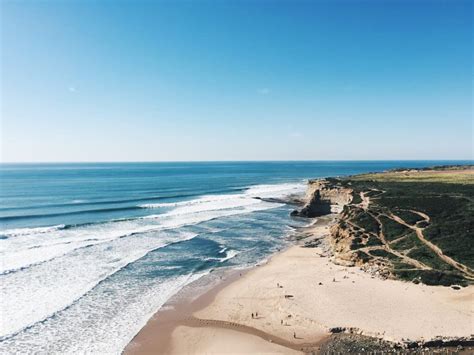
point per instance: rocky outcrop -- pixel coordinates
(341, 240)
(323, 197)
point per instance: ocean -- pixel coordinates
(89, 251)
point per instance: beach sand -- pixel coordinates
(197, 340)
(313, 296)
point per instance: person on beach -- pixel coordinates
(252, 315)
(256, 314)
(294, 335)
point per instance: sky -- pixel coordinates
(236, 80)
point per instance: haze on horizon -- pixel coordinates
(236, 80)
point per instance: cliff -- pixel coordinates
(388, 227)
(324, 196)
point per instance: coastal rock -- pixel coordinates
(324, 197)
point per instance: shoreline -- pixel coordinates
(156, 335)
(318, 298)
(178, 311)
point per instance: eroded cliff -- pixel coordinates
(324, 196)
(388, 227)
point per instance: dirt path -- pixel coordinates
(405, 258)
(419, 233)
(364, 205)
(386, 245)
(365, 201)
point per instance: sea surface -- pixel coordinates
(88, 252)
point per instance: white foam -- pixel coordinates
(58, 268)
(226, 201)
(16, 232)
(26, 250)
(34, 294)
(34, 247)
(230, 254)
(277, 190)
(102, 322)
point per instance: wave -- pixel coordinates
(229, 255)
(109, 329)
(28, 231)
(78, 202)
(54, 288)
(68, 213)
(276, 190)
(33, 248)
(279, 190)
(71, 272)
(201, 200)
(101, 210)
(57, 265)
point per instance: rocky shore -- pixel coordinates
(324, 196)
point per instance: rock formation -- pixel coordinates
(324, 196)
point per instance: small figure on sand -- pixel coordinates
(294, 335)
(256, 314)
(281, 322)
(252, 315)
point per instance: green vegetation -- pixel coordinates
(455, 176)
(416, 213)
(356, 198)
(432, 277)
(408, 242)
(409, 217)
(373, 241)
(425, 255)
(365, 221)
(391, 229)
(356, 243)
(363, 256)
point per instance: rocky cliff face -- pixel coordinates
(323, 197)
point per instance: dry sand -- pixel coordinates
(391, 309)
(197, 340)
(346, 297)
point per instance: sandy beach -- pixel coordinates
(292, 302)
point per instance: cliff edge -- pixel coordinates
(411, 225)
(324, 196)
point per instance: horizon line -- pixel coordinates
(231, 161)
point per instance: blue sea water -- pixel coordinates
(90, 251)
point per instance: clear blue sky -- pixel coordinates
(236, 80)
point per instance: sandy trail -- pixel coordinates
(419, 233)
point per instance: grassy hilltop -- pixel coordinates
(417, 225)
